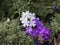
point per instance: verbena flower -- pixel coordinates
(34, 26)
(39, 30)
(27, 19)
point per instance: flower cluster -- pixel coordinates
(39, 30)
(34, 26)
(27, 19)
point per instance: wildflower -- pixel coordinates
(39, 30)
(29, 30)
(34, 26)
(27, 19)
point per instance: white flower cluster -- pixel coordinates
(27, 19)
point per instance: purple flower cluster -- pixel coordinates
(39, 30)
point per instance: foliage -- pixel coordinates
(10, 8)
(55, 23)
(11, 32)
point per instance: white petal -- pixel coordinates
(20, 18)
(33, 14)
(22, 21)
(24, 25)
(34, 24)
(32, 18)
(23, 13)
(27, 12)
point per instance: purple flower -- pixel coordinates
(29, 30)
(39, 30)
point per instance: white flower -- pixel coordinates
(27, 19)
(8, 20)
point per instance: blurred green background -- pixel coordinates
(11, 33)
